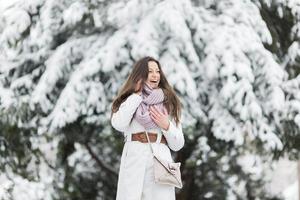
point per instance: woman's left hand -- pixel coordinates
(160, 118)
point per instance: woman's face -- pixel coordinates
(153, 74)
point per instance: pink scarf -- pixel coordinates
(150, 97)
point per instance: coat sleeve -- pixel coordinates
(174, 136)
(120, 120)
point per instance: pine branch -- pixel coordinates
(99, 162)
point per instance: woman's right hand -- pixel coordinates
(138, 87)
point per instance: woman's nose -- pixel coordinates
(156, 74)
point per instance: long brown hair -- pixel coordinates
(140, 71)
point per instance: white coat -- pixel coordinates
(136, 175)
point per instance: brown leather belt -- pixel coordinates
(141, 137)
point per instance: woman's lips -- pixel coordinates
(153, 84)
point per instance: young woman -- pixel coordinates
(146, 102)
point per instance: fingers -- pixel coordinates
(159, 118)
(155, 111)
(154, 119)
(138, 86)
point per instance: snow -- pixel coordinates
(281, 176)
(65, 70)
(19, 188)
(291, 192)
(283, 179)
(74, 13)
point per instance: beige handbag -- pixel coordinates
(165, 172)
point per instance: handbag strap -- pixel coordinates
(149, 142)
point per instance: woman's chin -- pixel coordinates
(154, 86)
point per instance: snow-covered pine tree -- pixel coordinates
(283, 21)
(62, 62)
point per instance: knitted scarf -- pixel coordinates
(150, 97)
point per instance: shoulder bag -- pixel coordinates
(165, 172)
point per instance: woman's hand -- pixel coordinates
(138, 87)
(160, 118)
